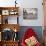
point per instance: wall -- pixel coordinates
(26, 4)
(7, 3)
(33, 4)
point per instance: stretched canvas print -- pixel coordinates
(30, 13)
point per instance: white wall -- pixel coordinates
(26, 4)
(33, 4)
(7, 3)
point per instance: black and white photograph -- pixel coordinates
(30, 13)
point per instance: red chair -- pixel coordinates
(29, 33)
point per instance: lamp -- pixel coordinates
(15, 3)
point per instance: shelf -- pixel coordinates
(11, 41)
(10, 26)
(5, 12)
(9, 10)
(6, 24)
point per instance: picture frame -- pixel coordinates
(30, 13)
(13, 12)
(10, 20)
(13, 20)
(5, 12)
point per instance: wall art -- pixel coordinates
(30, 13)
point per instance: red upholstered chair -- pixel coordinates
(29, 33)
